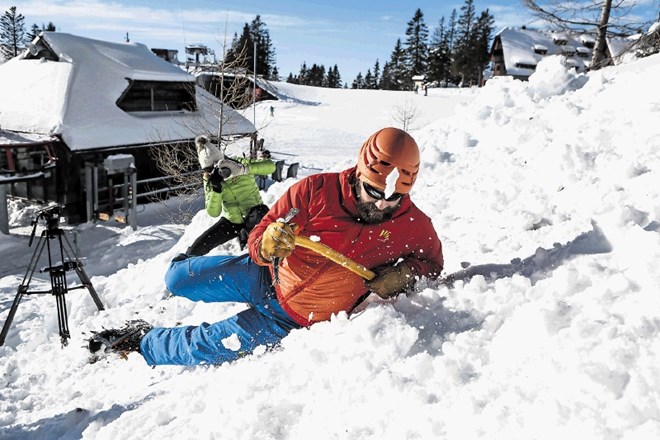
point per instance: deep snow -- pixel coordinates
(549, 190)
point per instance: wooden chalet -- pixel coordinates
(76, 114)
(516, 52)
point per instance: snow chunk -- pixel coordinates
(390, 182)
(554, 77)
(232, 342)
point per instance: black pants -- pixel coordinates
(224, 230)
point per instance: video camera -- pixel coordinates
(51, 217)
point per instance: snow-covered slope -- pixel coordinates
(549, 189)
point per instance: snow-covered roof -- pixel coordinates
(75, 96)
(11, 138)
(212, 70)
(524, 48)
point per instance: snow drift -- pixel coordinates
(545, 195)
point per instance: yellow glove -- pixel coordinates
(278, 240)
(391, 280)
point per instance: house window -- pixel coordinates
(26, 158)
(560, 40)
(526, 66)
(583, 52)
(588, 42)
(540, 49)
(158, 96)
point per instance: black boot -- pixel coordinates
(125, 339)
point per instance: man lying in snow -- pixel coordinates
(364, 212)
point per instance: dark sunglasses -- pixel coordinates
(378, 194)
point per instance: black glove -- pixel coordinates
(215, 179)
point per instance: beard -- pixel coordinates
(368, 211)
(371, 215)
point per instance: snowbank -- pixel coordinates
(546, 192)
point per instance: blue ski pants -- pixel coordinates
(219, 279)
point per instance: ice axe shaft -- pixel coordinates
(335, 256)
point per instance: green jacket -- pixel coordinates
(239, 193)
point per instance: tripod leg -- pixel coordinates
(88, 283)
(71, 255)
(58, 283)
(12, 312)
(23, 288)
(62, 319)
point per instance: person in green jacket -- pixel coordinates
(231, 192)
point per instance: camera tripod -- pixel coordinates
(59, 287)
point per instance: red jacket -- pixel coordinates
(311, 287)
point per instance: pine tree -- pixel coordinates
(482, 38)
(12, 34)
(451, 44)
(302, 76)
(330, 78)
(451, 32)
(320, 79)
(376, 75)
(397, 68)
(463, 50)
(358, 82)
(35, 30)
(439, 61)
(338, 76)
(265, 50)
(241, 52)
(387, 78)
(369, 82)
(334, 78)
(471, 52)
(416, 47)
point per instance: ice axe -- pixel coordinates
(335, 256)
(324, 250)
(276, 261)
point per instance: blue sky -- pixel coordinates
(351, 34)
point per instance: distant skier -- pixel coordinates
(272, 110)
(364, 212)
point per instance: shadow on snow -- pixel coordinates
(434, 321)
